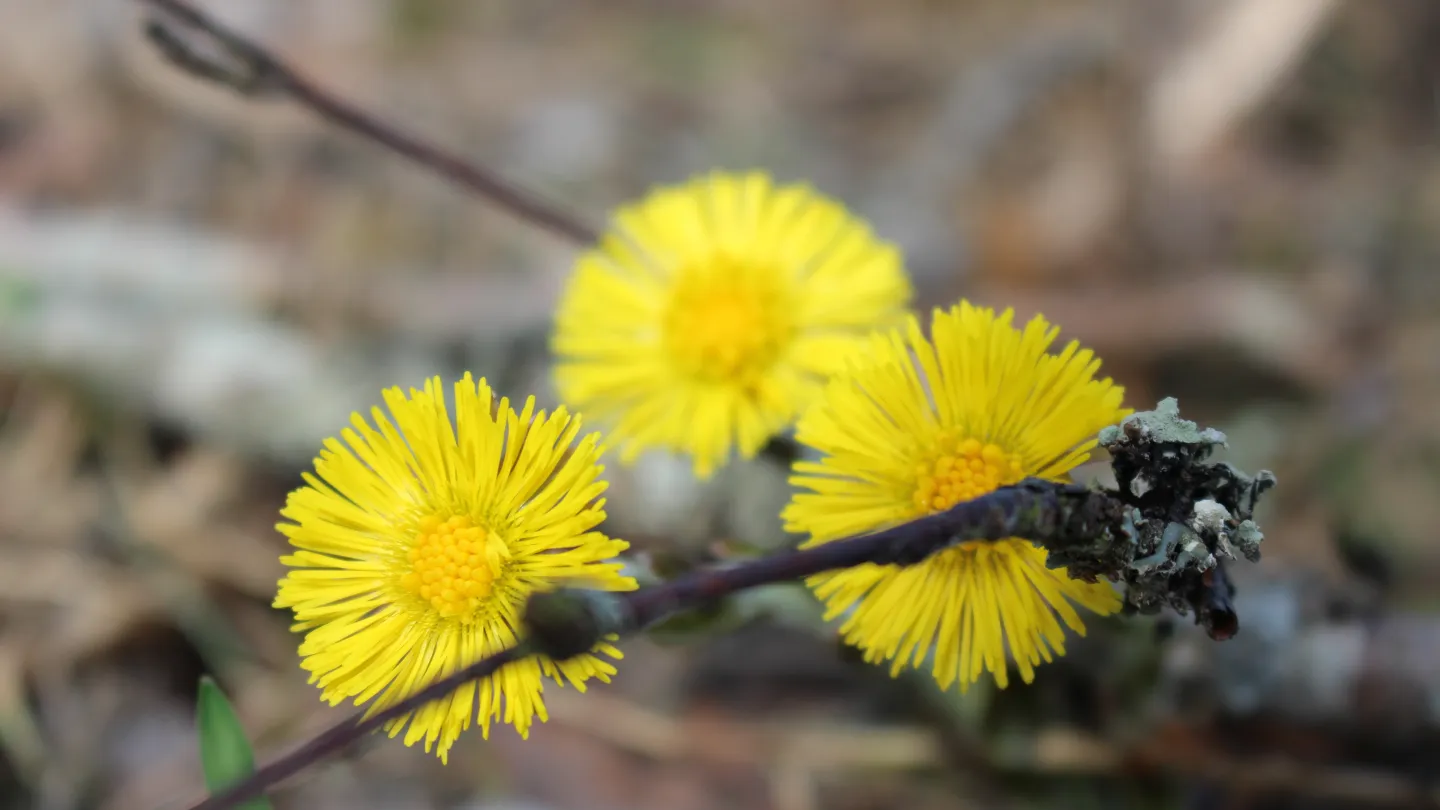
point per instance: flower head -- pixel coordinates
(418, 542)
(714, 312)
(914, 427)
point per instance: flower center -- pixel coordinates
(962, 470)
(726, 322)
(453, 565)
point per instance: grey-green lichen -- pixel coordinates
(1187, 515)
(1163, 425)
(1247, 538)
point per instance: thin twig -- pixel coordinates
(217, 53)
(1044, 511)
(1050, 514)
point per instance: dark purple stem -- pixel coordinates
(1053, 514)
(252, 70)
(1048, 513)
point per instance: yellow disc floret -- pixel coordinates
(963, 470)
(726, 325)
(454, 564)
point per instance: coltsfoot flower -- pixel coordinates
(714, 311)
(417, 542)
(915, 426)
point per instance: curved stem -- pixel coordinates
(1049, 513)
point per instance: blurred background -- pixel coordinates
(1234, 201)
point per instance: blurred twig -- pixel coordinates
(1225, 71)
(203, 47)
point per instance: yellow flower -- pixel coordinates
(714, 312)
(418, 544)
(913, 427)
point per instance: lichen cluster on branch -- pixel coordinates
(1165, 534)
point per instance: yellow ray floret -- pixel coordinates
(714, 311)
(916, 425)
(417, 542)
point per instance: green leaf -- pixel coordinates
(225, 753)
